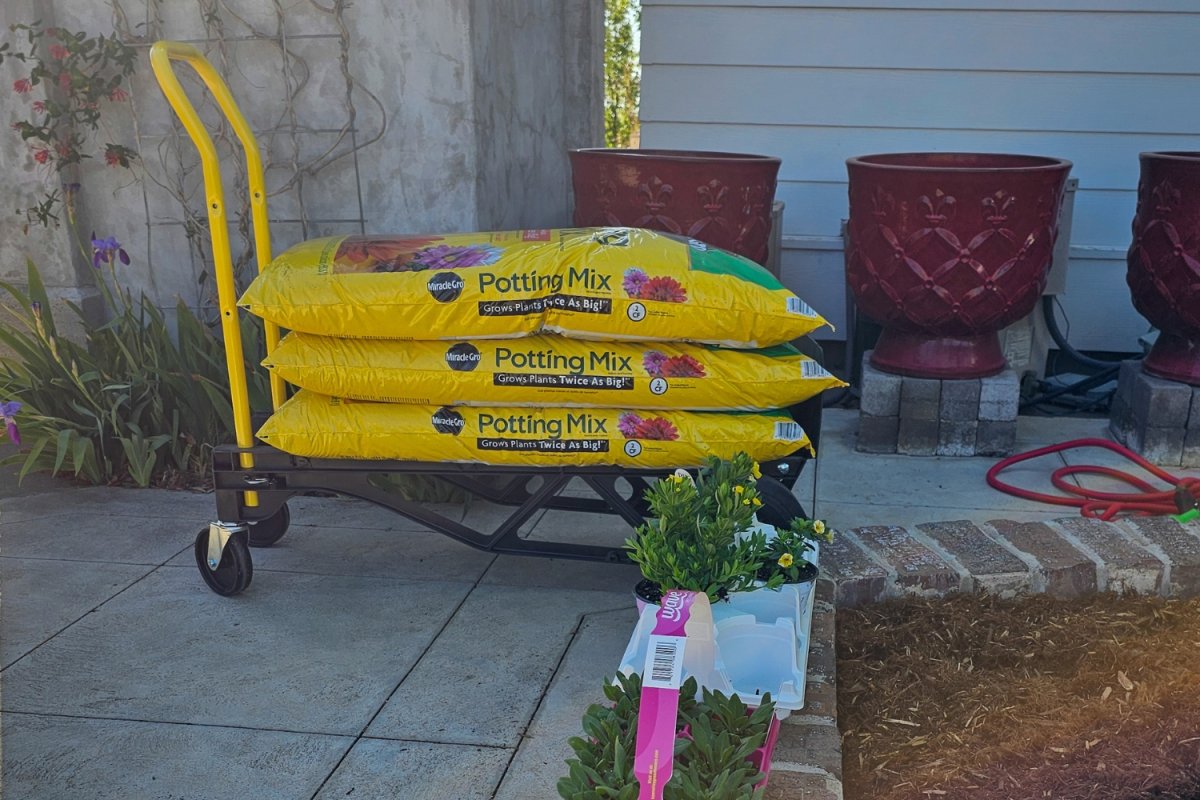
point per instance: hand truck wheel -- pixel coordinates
(234, 572)
(267, 532)
(780, 506)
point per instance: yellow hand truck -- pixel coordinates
(253, 482)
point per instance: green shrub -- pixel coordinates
(129, 404)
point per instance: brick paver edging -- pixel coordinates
(1067, 557)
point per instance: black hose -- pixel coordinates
(1057, 335)
(1100, 378)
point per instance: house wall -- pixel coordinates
(1093, 81)
(373, 117)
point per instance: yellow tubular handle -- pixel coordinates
(161, 56)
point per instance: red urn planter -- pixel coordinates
(721, 199)
(945, 249)
(1164, 262)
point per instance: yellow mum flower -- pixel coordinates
(746, 502)
(757, 502)
(755, 471)
(739, 489)
(819, 526)
(786, 560)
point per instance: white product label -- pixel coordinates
(664, 662)
(789, 431)
(811, 369)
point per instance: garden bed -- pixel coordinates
(976, 697)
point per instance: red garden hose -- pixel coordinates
(1147, 501)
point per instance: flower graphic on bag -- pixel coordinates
(378, 253)
(633, 426)
(664, 289)
(637, 284)
(447, 256)
(658, 365)
(633, 281)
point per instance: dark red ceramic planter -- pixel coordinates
(722, 199)
(1164, 262)
(945, 249)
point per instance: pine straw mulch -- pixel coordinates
(987, 699)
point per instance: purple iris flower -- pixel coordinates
(105, 250)
(8, 410)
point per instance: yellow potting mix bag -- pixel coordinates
(589, 283)
(319, 426)
(550, 371)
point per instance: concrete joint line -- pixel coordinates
(1078, 544)
(1134, 535)
(1037, 575)
(811, 720)
(966, 581)
(806, 769)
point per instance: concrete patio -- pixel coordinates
(369, 658)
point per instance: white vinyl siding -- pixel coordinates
(1093, 81)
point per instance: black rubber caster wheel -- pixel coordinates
(780, 506)
(234, 572)
(270, 530)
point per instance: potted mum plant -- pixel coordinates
(722, 748)
(703, 536)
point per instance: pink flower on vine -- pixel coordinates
(118, 95)
(23, 86)
(39, 106)
(41, 155)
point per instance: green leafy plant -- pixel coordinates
(785, 551)
(79, 74)
(715, 738)
(131, 403)
(702, 536)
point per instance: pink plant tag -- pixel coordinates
(654, 753)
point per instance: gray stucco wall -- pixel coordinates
(437, 115)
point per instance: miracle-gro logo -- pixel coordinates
(463, 357)
(447, 420)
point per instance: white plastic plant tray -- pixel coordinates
(761, 645)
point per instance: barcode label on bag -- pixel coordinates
(797, 306)
(811, 369)
(664, 662)
(788, 431)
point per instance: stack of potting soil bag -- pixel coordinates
(547, 347)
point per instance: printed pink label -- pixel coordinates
(661, 677)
